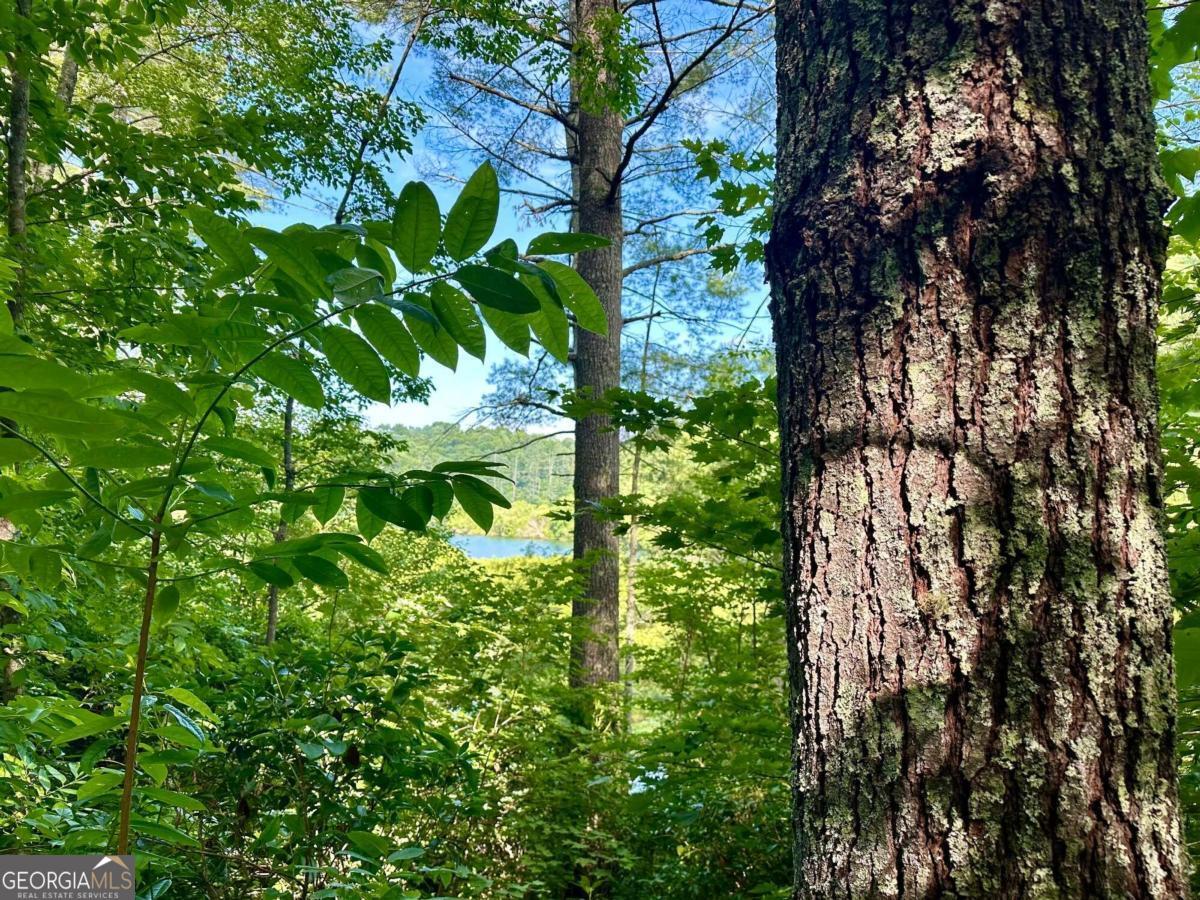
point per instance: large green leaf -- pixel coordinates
(553, 242)
(388, 506)
(472, 218)
(388, 335)
(356, 283)
(90, 724)
(473, 504)
(365, 556)
(239, 448)
(549, 323)
(271, 574)
(166, 602)
(57, 414)
(416, 226)
(291, 376)
(294, 257)
(320, 571)
(159, 390)
(578, 296)
(513, 330)
(99, 784)
(329, 501)
(226, 240)
(15, 451)
(497, 289)
(428, 333)
(369, 524)
(354, 360)
(456, 314)
(31, 372)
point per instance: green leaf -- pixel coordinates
(45, 567)
(154, 388)
(173, 799)
(321, 571)
(457, 316)
(166, 833)
(355, 283)
(406, 853)
(369, 844)
(100, 783)
(372, 254)
(292, 377)
(497, 289)
(59, 415)
(225, 239)
(166, 602)
(553, 242)
(164, 333)
(549, 324)
(329, 501)
(472, 218)
(443, 497)
(483, 489)
(512, 330)
(369, 524)
(416, 226)
(238, 448)
(187, 723)
(386, 505)
(14, 451)
(578, 296)
(429, 334)
(90, 724)
(191, 701)
(31, 372)
(294, 257)
(123, 455)
(19, 501)
(354, 360)
(388, 335)
(473, 502)
(365, 556)
(271, 574)
(420, 499)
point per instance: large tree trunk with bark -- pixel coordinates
(965, 267)
(597, 148)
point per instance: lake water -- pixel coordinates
(482, 546)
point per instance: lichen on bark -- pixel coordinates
(964, 269)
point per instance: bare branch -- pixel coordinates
(556, 115)
(643, 224)
(670, 257)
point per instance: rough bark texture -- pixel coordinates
(965, 270)
(597, 150)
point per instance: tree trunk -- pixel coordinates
(597, 149)
(965, 268)
(16, 182)
(631, 552)
(281, 530)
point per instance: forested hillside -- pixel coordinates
(851, 347)
(537, 467)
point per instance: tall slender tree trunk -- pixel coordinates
(965, 265)
(16, 180)
(596, 156)
(281, 530)
(631, 537)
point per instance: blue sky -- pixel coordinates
(456, 392)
